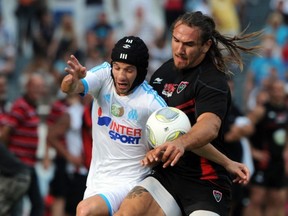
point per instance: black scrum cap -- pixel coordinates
(132, 50)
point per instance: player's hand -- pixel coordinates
(169, 153)
(75, 72)
(149, 159)
(74, 68)
(240, 171)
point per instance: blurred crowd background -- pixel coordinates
(37, 37)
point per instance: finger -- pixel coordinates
(82, 72)
(74, 59)
(144, 162)
(69, 70)
(242, 177)
(239, 181)
(76, 68)
(77, 65)
(158, 152)
(71, 64)
(169, 159)
(167, 155)
(236, 180)
(176, 159)
(247, 171)
(241, 174)
(150, 158)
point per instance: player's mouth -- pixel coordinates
(179, 60)
(122, 86)
(180, 57)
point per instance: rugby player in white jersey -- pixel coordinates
(123, 101)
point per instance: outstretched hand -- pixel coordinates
(75, 68)
(75, 71)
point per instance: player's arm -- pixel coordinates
(72, 82)
(239, 170)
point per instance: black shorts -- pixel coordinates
(77, 186)
(58, 185)
(194, 194)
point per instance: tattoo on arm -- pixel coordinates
(136, 192)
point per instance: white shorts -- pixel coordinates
(162, 196)
(112, 197)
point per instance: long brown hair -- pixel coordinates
(225, 50)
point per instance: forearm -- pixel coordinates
(211, 153)
(204, 131)
(70, 85)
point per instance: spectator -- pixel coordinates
(268, 184)
(263, 68)
(43, 34)
(104, 33)
(65, 135)
(64, 38)
(27, 14)
(143, 26)
(38, 64)
(160, 51)
(280, 6)
(15, 176)
(20, 133)
(275, 26)
(58, 187)
(93, 56)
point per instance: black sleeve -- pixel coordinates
(212, 95)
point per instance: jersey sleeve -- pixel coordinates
(96, 78)
(156, 101)
(213, 95)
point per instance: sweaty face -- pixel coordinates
(124, 76)
(187, 49)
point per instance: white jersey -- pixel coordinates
(119, 141)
